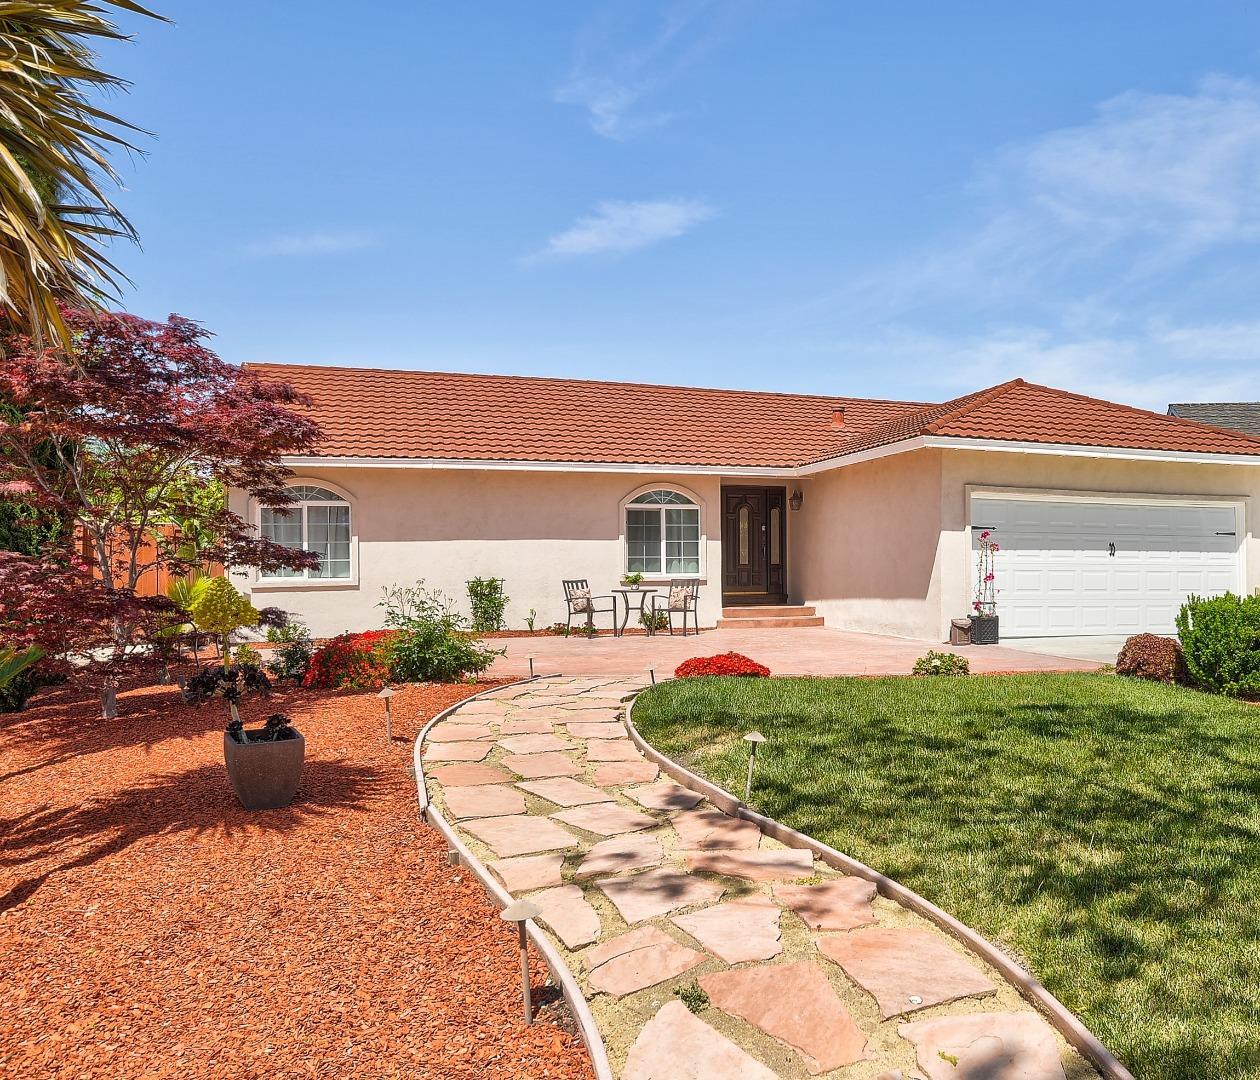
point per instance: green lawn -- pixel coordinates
(1106, 831)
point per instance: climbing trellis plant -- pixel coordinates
(984, 602)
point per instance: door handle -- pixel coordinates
(1111, 549)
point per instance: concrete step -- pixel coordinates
(767, 611)
(770, 623)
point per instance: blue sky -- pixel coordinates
(900, 200)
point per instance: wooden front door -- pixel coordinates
(754, 545)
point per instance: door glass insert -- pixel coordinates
(775, 554)
(745, 524)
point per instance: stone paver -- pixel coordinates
(536, 766)
(484, 800)
(567, 914)
(637, 960)
(843, 904)
(521, 835)
(795, 1004)
(905, 969)
(564, 791)
(738, 931)
(605, 819)
(705, 828)
(584, 715)
(665, 796)
(467, 775)
(616, 773)
(612, 750)
(595, 731)
(676, 1045)
(528, 872)
(459, 732)
(533, 744)
(621, 854)
(985, 1046)
(539, 726)
(657, 892)
(759, 865)
(456, 751)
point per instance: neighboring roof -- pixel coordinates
(1235, 415)
(373, 413)
(1019, 411)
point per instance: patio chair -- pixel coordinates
(579, 601)
(684, 597)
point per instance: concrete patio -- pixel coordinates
(801, 651)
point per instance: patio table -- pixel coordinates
(642, 594)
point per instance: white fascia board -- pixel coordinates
(1119, 453)
(492, 465)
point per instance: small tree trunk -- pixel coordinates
(109, 700)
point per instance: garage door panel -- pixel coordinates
(1097, 567)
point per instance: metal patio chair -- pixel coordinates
(579, 601)
(683, 598)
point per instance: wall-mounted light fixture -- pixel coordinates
(795, 499)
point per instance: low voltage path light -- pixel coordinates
(385, 695)
(531, 666)
(518, 913)
(754, 739)
(652, 674)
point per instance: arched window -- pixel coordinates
(663, 534)
(320, 522)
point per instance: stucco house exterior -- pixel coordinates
(866, 510)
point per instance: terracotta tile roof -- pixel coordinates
(1241, 416)
(1019, 411)
(373, 413)
(427, 414)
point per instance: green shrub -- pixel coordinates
(488, 603)
(430, 643)
(293, 648)
(654, 620)
(941, 663)
(1220, 638)
(693, 996)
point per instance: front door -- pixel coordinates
(753, 545)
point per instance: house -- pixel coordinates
(1235, 415)
(868, 510)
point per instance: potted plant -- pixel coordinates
(263, 764)
(984, 619)
(632, 581)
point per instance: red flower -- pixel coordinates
(730, 663)
(350, 662)
(984, 535)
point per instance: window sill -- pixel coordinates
(291, 584)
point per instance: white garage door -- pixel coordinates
(1074, 567)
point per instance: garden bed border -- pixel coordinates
(1059, 1015)
(587, 1028)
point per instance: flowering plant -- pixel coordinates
(985, 599)
(731, 663)
(351, 662)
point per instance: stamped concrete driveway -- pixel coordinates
(798, 651)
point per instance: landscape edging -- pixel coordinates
(573, 995)
(1064, 1020)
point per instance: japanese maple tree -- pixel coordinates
(109, 434)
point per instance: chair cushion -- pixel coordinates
(580, 599)
(680, 596)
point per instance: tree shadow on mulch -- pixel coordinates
(197, 801)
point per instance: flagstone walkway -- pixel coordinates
(648, 889)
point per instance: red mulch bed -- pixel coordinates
(150, 927)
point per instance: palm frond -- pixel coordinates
(15, 661)
(55, 215)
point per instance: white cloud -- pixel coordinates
(611, 82)
(1153, 182)
(316, 242)
(617, 227)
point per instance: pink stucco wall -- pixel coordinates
(446, 526)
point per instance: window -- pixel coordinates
(662, 534)
(320, 522)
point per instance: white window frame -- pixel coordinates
(628, 504)
(265, 581)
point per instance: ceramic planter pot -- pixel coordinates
(984, 630)
(265, 775)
